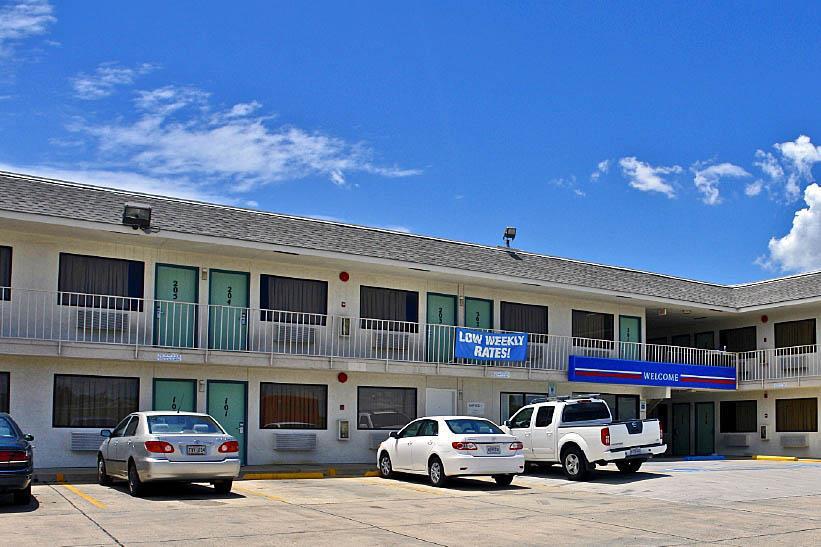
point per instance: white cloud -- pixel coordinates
(800, 249)
(176, 133)
(22, 20)
(799, 155)
(602, 168)
(754, 188)
(647, 178)
(569, 183)
(105, 78)
(707, 178)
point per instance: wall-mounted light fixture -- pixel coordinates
(510, 235)
(137, 215)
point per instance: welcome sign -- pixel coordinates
(490, 346)
(643, 373)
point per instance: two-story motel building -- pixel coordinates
(310, 339)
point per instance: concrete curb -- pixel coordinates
(88, 476)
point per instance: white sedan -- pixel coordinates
(452, 446)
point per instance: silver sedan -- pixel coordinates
(168, 446)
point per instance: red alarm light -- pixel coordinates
(342, 377)
(344, 276)
(764, 318)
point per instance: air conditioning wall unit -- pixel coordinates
(390, 340)
(294, 334)
(85, 441)
(102, 320)
(795, 441)
(736, 440)
(295, 442)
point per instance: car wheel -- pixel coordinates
(574, 464)
(629, 466)
(102, 475)
(23, 497)
(436, 472)
(223, 487)
(135, 485)
(385, 466)
(503, 480)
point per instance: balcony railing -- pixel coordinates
(772, 365)
(140, 323)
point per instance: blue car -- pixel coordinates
(16, 460)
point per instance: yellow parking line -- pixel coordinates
(93, 501)
(776, 458)
(282, 476)
(371, 474)
(260, 494)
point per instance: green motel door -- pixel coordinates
(227, 404)
(228, 311)
(441, 320)
(630, 336)
(175, 309)
(478, 313)
(175, 395)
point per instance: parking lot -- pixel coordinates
(737, 502)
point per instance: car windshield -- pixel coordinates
(6, 429)
(585, 412)
(181, 423)
(473, 427)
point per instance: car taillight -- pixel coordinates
(229, 446)
(159, 447)
(605, 436)
(14, 456)
(516, 446)
(464, 446)
(661, 430)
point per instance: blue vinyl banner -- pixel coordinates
(490, 346)
(643, 373)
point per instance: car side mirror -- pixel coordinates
(394, 435)
(105, 433)
(29, 438)
(507, 423)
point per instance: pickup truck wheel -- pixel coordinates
(436, 472)
(629, 466)
(503, 480)
(385, 466)
(574, 464)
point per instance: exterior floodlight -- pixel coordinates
(510, 234)
(137, 215)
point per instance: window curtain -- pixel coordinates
(738, 416)
(738, 340)
(385, 407)
(598, 326)
(98, 279)
(298, 296)
(393, 305)
(293, 406)
(93, 401)
(795, 333)
(523, 318)
(796, 415)
(5, 273)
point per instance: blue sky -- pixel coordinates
(668, 137)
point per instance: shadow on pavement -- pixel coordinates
(7, 507)
(463, 484)
(177, 491)
(603, 475)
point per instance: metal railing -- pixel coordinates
(98, 319)
(792, 363)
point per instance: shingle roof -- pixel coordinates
(40, 196)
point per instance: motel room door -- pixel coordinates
(175, 395)
(478, 313)
(228, 311)
(681, 429)
(228, 404)
(441, 320)
(630, 336)
(176, 290)
(705, 429)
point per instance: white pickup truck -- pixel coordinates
(580, 433)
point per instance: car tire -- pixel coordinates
(135, 485)
(102, 475)
(503, 480)
(385, 466)
(23, 497)
(574, 464)
(629, 466)
(223, 487)
(436, 472)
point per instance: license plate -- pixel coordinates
(493, 449)
(195, 450)
(634, 452)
